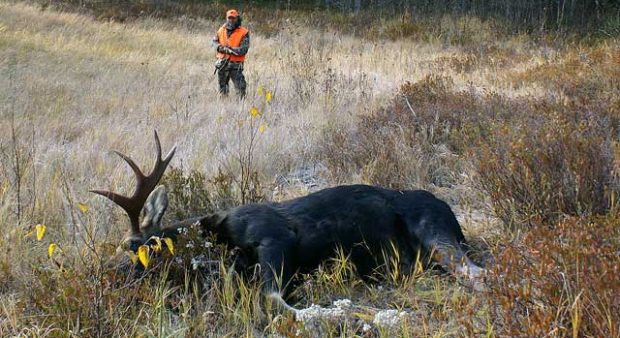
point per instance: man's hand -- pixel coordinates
(226, 50)
(231, 51)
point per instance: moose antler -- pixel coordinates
(145, 184)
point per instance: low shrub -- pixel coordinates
(414, 142)
(549, 166)
(561, 280)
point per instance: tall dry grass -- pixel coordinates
(470, 120)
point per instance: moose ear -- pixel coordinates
(216, 219)
(154, 209)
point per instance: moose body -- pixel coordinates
(366, 223)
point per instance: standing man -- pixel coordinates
(231, 44)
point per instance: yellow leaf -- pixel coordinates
(50, 249)
(260, 90)
(169, 244)
(157, 246)
(143, 255)
(133, 257)
(268, 96)
(83, 207)
(262, 127)
(220, 118)
(40, 231)
(253, 111)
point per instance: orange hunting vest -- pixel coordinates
(233, 41)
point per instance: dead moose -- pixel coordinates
(362, 221)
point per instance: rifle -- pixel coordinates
(221, 64)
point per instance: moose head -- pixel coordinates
(148, 200)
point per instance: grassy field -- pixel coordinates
(518, 133)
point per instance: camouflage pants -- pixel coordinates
(233, 71)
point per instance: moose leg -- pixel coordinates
(276, 269)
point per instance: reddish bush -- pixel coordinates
(561, 280)
(548, 166)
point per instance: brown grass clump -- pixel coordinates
(581, 79)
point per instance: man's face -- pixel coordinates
(231, 20)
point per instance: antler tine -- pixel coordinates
(157, 145)
(145, 184)
(127, 204)
(160, 165)
(159, 161)
(131, 163)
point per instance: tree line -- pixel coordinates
(521, 14)
(518, 15)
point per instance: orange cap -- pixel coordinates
(232, 12)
